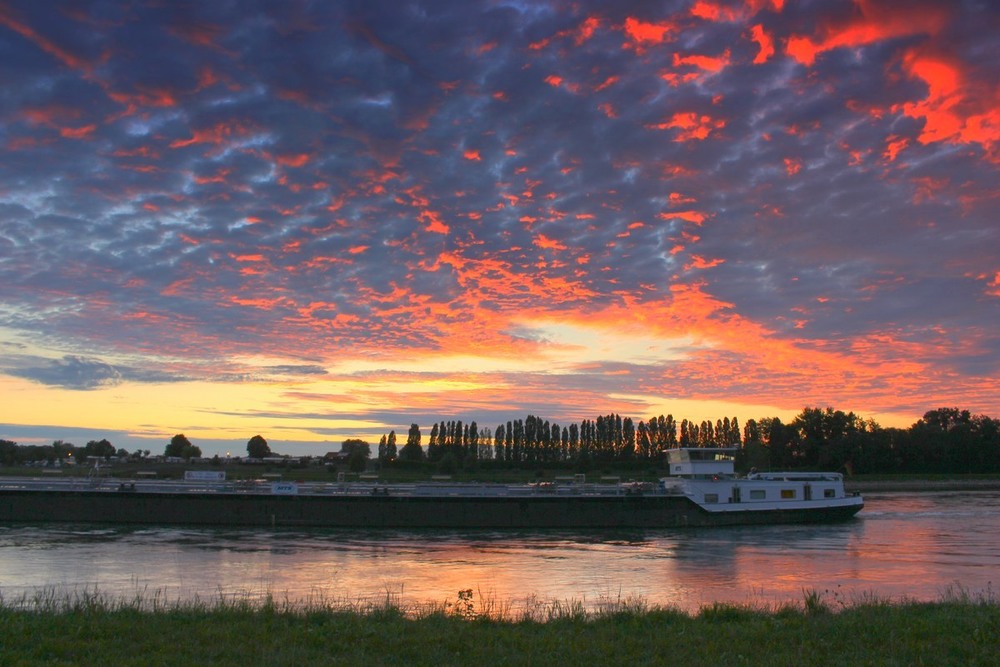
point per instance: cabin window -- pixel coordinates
(829, 493)
(787, 493)
(711, 497)
(758, 494)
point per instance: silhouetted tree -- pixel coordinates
(181, 447)
(257, 447)
(101, 448)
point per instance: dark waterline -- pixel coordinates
(914, 545)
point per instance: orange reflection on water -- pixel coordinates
(917, 546)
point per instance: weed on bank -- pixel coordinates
(88, 628)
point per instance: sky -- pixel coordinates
(322, 220)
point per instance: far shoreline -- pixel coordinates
(921, 485)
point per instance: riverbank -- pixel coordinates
(917, 485)
(92, 630)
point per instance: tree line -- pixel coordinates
(944, 440)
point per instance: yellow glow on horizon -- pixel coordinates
(197, 409)
(573, 343)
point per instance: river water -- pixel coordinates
(919, 546)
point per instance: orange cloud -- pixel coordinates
(953, 110)
(610, 81)
(711, 11)
(764, 41)
(675, 79)
(755, 6)
(872, 23)
(994, 285)
(545, 243)
(699, 262)
(580, 34)
(472, 155)
(641, 32)
(707, 63)
(433, 222)
(696, 217)
(691, 126)
(894, 144)
(792, 166)
(586, 30)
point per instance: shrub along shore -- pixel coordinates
(90, 629)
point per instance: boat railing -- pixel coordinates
(353, 488)
(797, 476)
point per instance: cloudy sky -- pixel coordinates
(318, 220)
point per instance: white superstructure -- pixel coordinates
(706, 476)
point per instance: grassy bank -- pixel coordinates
(88, 629)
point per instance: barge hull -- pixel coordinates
(387, 511)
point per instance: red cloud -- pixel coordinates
(144, 97)
(871, 23)
(756, 5)
(765, 43)
(697, 217)
(707, 63)
(434, 222)
(894, 144)
(77, 132)
(692, 126)
(580, 34)
(641, 32)
(711, 11)
(297, 160)
(216, 135)
(953, 110)
(587, 30)
(8, 19)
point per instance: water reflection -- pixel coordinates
(913, 545)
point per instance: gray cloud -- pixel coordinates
(70, 372)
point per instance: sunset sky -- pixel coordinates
(320, 220)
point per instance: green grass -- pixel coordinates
(90, 629)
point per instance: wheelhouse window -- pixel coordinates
(787, 494)
(711, 497)
(829, 493)
(758, 494)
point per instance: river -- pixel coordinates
(919, 546)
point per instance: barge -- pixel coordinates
(702, 490)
